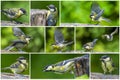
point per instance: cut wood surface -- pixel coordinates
(12, 76)
(9, 23)
(103, 76)
(38, 17)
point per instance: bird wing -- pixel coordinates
(114, 32)
(58, 37)
(17, 32)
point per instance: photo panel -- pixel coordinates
(97, 39)
(59, 39)
(15, 13)
(22, 39)
(45, 13)
(105, 66)
(60, 66)
(90, 13)
(15, 66)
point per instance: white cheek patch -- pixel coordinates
(49, 68)
(23, 61)
(107, 59)
(52, 10)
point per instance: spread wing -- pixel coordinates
(58, 36)
(17, 32)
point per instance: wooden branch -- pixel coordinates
(4, 52)
(9, 23)
(77, 25)
(102, 76)
(12, 76)
(38, 17)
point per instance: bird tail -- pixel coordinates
(69, 43)
(9, 48)
(107, 20)
(6, 68)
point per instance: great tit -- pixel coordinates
(109, 37)
(21, 43)
(60, 43)
(90, 45)
(14, 13)
(96, 13)
(107, 64)
(18, 44)
(52, 15)
(71, 66)
(19, 66)
(18, 33)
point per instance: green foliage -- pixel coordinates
(8, 59)
(88, 34)
(85, 76)
(35, 45)
(68, 34)
(40, 61)
(79, 11)
(16, 4)
(96, 63)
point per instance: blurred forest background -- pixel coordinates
(79, 12)
(8, 59)
(35, 45)
(44, 4)
(96, 63)
(68, 34)
(40, 61)
(16, 4)
(88, 34)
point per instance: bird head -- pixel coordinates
(22, 59)
(48, 68)
(23, 11)
(52, 8)
(105, 58)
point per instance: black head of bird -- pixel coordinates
(52, 8)
(107, 64)
(23, 11)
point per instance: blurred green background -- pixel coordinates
(40, 61)
(79, 11)
(35, 45)
(8, 59)
(88, 34)
(16, 4)
(44, 4)
(96, 63)
(68, 34)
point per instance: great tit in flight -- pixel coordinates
(109, 37)
(96, 13)
(90, 45)
(59, 40)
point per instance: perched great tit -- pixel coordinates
(60, 43)
(14, 13)
(90, 45)
(107, 64)
(96, 13)
(109, 37)
(71, 66)
(52, 15)
(19, 66)
(18, 44)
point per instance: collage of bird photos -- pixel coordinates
(59, 39)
